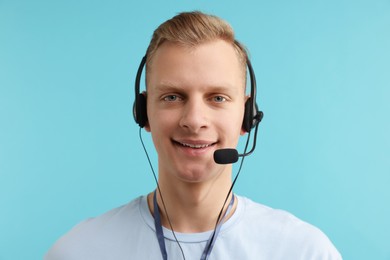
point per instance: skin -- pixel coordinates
(195, 104)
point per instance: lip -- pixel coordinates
(194, 147)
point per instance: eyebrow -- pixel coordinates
(170, 87)
(166, 87)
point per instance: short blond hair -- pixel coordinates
(191, 29)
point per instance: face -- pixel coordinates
(195, 104)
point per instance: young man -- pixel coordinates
(194, 104)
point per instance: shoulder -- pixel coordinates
(106, 229)
(287, 233)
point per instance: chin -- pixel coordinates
(200, 174)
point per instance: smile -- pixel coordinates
(194, 146)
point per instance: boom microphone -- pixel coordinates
(226, 156)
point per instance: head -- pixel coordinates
(195, 98)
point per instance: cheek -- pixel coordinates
(232, 124)
(160, 121)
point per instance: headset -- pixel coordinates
(252, 115)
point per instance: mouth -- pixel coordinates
(195, 145)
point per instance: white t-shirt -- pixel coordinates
(253, 232)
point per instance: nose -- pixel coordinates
(194, 115)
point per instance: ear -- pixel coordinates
(147, 127)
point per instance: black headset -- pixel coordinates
(252, 115)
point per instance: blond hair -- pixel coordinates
(191, 29)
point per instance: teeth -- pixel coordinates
(196, 146)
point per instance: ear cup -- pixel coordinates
(140, 110)
(252, 115)
(139, 106)
(247, 122)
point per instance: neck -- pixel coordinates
(192, 207)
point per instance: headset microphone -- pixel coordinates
(226, 156)
(230, 155)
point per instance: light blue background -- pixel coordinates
(69, 147)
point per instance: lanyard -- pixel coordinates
(160, 233)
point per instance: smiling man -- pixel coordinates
(194, 104)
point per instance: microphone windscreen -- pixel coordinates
(226, 156)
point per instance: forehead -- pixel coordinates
(214, 63)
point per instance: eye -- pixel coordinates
(219, 99)
(171, 98)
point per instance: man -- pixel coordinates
(194, 104)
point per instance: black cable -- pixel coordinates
(230, 191)
(223, 206)
(161, 197)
